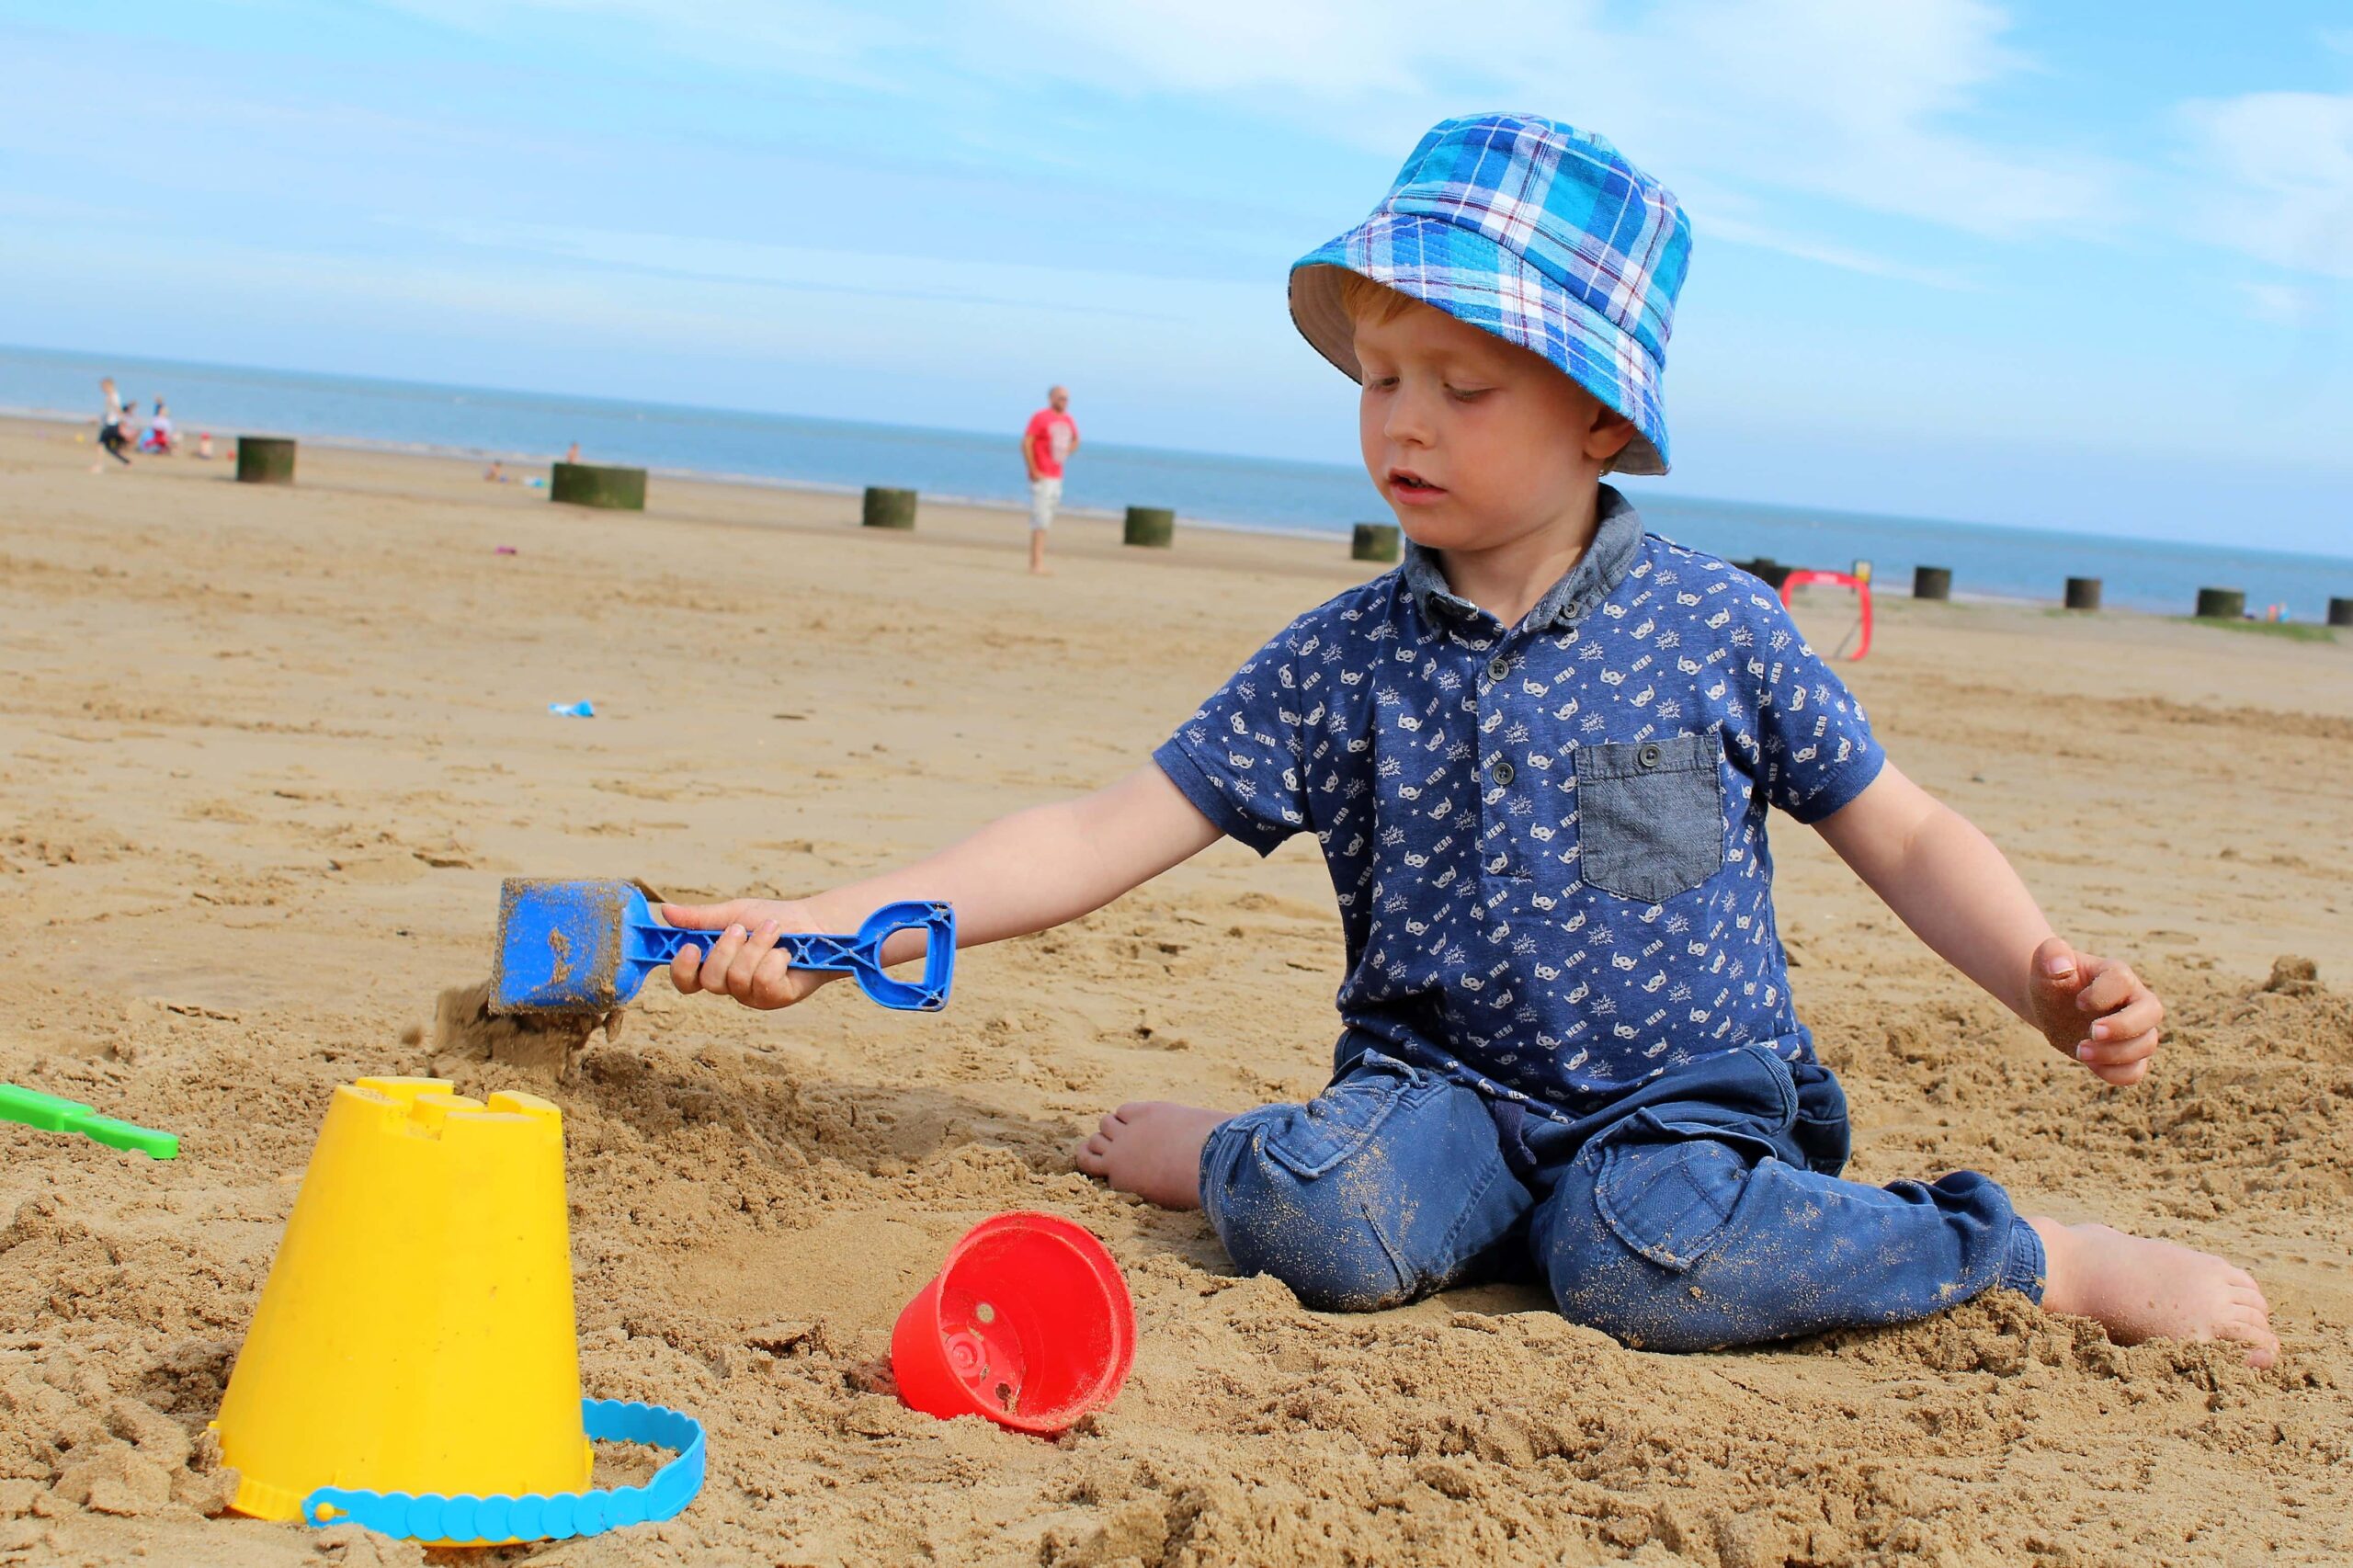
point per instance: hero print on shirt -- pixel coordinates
(1548, 841)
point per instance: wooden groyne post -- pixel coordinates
(594, 484)
(264, 459)
(1932, 581)
(887, 509)
(1154, 528)
(2222, 604)
(1375, 541)
(2083, 593)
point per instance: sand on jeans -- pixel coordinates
(265, 755)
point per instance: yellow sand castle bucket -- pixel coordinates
(416, 1333)
(414, 1364)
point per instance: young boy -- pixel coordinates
(1538, 757)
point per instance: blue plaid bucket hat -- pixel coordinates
(1539, 233)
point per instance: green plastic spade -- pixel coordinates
(53, 1113)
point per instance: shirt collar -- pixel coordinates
(1616, 536)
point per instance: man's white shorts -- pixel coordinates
(1045, 494)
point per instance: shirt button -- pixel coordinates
(1498, 667)
(1503, 772)
(1647, 757)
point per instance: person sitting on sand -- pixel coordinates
(159, 431)
(1538, 757)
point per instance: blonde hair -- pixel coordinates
(1364, 300)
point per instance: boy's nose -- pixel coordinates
(1408, 424)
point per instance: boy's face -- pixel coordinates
(1475, 442)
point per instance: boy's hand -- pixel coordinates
(744, 962)
(2095, 1009)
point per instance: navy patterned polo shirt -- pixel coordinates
(1548, 841)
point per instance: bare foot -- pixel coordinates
(1152, 1148)
(2146, 1289)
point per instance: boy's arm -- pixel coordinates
(1946, 880)
(1026, 873)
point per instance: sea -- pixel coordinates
(1205, 489)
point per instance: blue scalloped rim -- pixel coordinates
(540, 1516)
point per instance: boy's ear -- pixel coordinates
(1611, 430)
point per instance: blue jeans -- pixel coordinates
(1700, 1209)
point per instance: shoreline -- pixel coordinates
(2316, 625)
(707, 476)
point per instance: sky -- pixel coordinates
(2053, 264)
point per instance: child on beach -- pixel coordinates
(1538, 757)
(111, 439)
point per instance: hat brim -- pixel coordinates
(1477, 281)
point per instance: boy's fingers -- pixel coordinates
(756, 946)
(773, 983)
(2123, 1075)
(2111, 986)
(2058, 969)
(722, 954)
(2139, 1016)
(2116, 1053)
(686, 969)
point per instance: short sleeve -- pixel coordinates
(1814, 749)
(1239, 759)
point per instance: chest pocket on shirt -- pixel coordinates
(1649, 814)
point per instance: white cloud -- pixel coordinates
(1863, 104)
(2275, 177)
(2283, 304)
(752, 265)
(1740, 231)
(1859, 101)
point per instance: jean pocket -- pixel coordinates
(1311, 1139)
(1651, 814)
(1672, 1202)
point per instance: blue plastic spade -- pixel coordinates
(586, 946)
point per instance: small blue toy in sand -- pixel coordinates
(586, 946)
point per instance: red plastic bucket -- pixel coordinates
(1028, 1324)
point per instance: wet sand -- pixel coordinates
(266, 754)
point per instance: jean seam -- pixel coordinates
(1406, 1284)
(2025, 1263)
(1784, 1081)
(1448, 1243)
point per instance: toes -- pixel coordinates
(2252, 1329)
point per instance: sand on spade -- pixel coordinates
(545, 1044)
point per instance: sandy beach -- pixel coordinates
(266, 754)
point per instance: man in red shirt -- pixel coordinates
(1052, 437)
